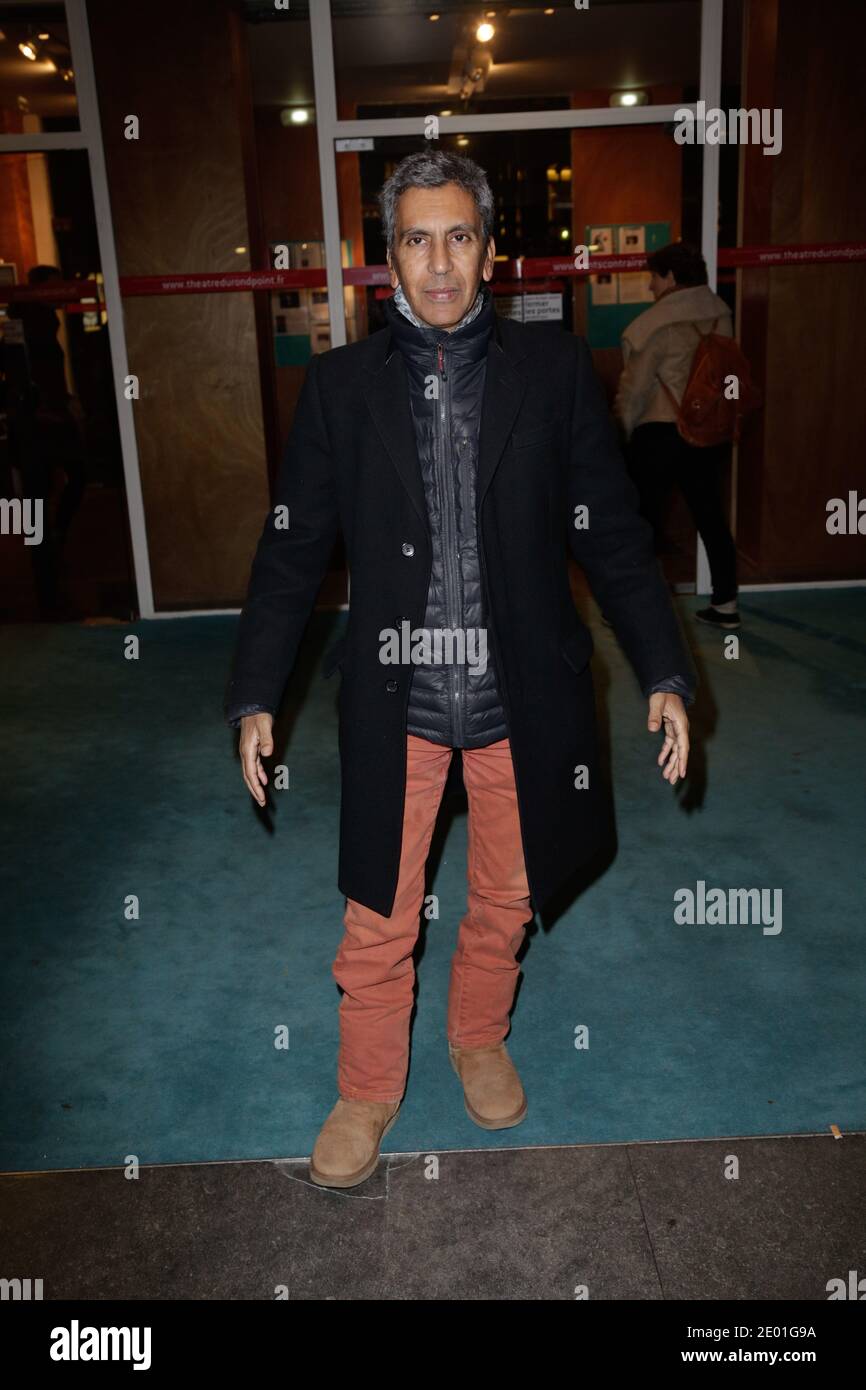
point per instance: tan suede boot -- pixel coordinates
(347, 1149)
(492, 1092)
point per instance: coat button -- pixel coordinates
(391, 686)
(408, 548)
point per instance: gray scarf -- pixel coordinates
(402, 303)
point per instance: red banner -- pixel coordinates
(528, 269)
(815, 253)
(220, 281)
(51, 292)
(522, 274)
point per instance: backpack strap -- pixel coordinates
(663, 384)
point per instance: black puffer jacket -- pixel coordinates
(454, 702)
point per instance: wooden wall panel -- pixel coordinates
(17, 233)
(757, 172)
(178, 204)
(291, 210)
(626, 174)
(288, 178)
(802, 327)
(291, 202)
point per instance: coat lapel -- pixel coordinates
(504, 387)
(388, 401)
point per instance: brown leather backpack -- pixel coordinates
(705, 415)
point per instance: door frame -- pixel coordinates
(329, 129)
(89, 137)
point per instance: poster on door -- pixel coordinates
(602, 288)
(634, 286)
(614, 300)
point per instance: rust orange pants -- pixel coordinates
(374, 965)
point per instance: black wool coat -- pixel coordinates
(548, 458)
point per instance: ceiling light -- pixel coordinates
(28, 48)
(433, 18)
(43, 37)
(446, 113)
(463, 139)
(300, 115)
(628, 99)
(564, 233)
(484, 33)
(549, 11)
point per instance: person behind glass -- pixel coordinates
(658, 347)
(45, 438)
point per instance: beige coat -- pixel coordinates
(661, 342)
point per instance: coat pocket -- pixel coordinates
(541, 434)
(577, 648)
(334, 657)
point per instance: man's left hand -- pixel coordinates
(668, 710)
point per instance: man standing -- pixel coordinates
(462, 456)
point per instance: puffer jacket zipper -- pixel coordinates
(450, 554)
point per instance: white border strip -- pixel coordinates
(566, 119)
(234, 612)
(325, 86)
(711, 92)
(710, 89)
(35, 143)
(744, 589)
(198, 613)
(422, 1153)
(805, 584)
(88, 109)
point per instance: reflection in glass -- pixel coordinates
(37, 79)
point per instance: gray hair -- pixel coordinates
(432, 169)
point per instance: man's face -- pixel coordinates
(439, 256)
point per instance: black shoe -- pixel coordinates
(717, 619)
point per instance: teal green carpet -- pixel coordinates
(155, 1037)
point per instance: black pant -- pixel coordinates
(39, 447)
(660, 459)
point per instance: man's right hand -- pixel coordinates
(256, 742)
